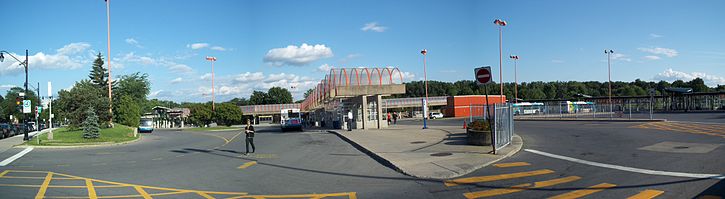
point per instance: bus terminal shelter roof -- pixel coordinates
(352, 82)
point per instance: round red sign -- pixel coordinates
(483, 76)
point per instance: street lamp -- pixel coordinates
(108, 58)
(609, 71)
(212, 60)
(425, 77)
(516, 80)
(25, 64)
(500, 23)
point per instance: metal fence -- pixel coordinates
(502, 116)
(584, 110)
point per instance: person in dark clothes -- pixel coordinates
(249, 131)
(395, 117)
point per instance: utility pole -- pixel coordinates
(25, 136)
(37, 108)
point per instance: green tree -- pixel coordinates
(698, 85)
(259, 98)
(279, 95)
(239, 101)
(84, 94)
(99, 75)
(228, 114)
(90, 125)
(128, 111)
(9, 106)
(136, 86)
(308, 92)
(201, 114)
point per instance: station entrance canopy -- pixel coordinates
(353, 82)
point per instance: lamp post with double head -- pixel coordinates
(609, 74)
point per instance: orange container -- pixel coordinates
(459, 106)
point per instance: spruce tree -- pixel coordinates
(90, 125)
(99, 75)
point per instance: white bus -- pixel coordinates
(291, 119)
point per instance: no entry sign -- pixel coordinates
(483, 75)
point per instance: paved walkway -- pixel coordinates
(10, 142)
(436, 153)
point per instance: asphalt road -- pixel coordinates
(180, 164)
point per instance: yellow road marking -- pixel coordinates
(4, 172)
(646, 194)
(44, 187)
(248, 164)
(207, 196)
(19, 185)
(142, 192)
(470, 180)
(584, 192)
(672, 127)
(521, 187)
(512, 164)
(235, 136)
(91, 190)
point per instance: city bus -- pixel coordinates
(528, 108)
(291, 119)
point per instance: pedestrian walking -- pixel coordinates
(395, 117)
(249, 132)
(349, 120)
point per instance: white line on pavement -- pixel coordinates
(630, 169)
(15, 157)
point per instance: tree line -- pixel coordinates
(552, 90)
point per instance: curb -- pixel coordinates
(80, 146)
(389, 164)
(593, 120)
(376, 157)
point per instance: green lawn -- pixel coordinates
(211, 128)
(64, 137)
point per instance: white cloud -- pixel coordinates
(206, 77)
(619, 56)
(150, 61)
(196, 46)
(180, 68)
(373, 26)
(653, 36)
(408, 76)
(218, 48)
(349, 57)
(177, 80)
(133, 42)
(7, 86)
(68, 57)
(672, 75)
(249, 77)
(73, 48)
(297, 55)
(324, 68)
(652, 57)
(660, 51)
(154, 94)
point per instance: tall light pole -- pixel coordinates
(425, 77)
(212, 60)
(500, 23)
(609, 72)
(516, 79)
(108, 58)
(25, 64)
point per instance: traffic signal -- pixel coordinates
(18, 100)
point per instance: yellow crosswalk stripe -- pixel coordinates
(248, 164)
(646, 194)
(521, 187)
(512, 164)
(583, 192)
(477, 179)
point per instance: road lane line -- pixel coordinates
(44, 186)
(202, 194)
(511, 164)
(248, 164)
(91, 189)
(4, 172)
(630, 169)
(521, 187)
(15, 157)
(230, 140)
(646, 194)
(478, 179)
(142, 192)
(584, 192)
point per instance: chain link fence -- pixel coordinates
(583, 110)
(502, 118)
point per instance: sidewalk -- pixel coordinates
(435, 153)
(8, 143)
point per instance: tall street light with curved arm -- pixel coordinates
(25, 64)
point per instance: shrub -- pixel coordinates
(90, 125)
(480, 125)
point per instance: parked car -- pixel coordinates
(436, 115)
(6, 130)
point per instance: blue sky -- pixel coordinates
(260, 44)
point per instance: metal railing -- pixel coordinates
(584, 110)
(502, 117)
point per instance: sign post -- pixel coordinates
(26, 106)
(483, 77)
